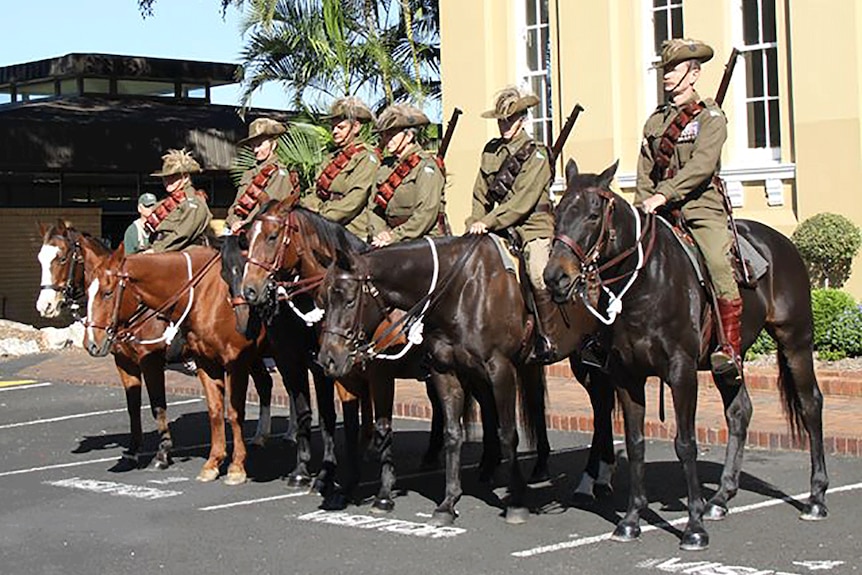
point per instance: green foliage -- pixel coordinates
(828, 305)
(828, 243)
(844, 335)
(763, 345)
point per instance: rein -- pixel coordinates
(591, 269)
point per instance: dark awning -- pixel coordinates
(91, 134)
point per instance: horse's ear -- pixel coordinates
(323, 259)
(343, 260)
(571, 170)
(61, 225)
(119, 253)
(43, 229)
(607, 176)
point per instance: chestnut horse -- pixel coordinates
(658, 332)
(185, 287)
(457, 288)
(293, 243)
(67, 258)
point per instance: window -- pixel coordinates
(97, 86)
(30, 92)
(69, 86)
(146, 88)
(537, 66)
(761, 75)
(194, 91)
(667, 23)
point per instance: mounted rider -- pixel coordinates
(678, 165)
(347, 175)
(511, 197)
(407, 202)
(267, 180)
(182, 218)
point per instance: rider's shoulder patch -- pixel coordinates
(540, 155)
(429, 169)
(282, 172)
(372, 158)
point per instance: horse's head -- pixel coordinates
(62, 271)
(347, 292)
(271, 249)
(108, 304)
(582, 230)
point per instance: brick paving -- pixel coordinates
(568, 404)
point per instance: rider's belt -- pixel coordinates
(667, 143)
(331, 171)
(254, 193)
(442, 223)
(508, 172)
(386, 189)
(162, 210)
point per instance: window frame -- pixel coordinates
(541, 117)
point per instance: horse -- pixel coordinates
(290, 242)
(186, 288)
(456, 287)
(662, 330)
(67, 258)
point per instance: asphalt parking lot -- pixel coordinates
(68, 506)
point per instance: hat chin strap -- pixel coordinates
(678, 84)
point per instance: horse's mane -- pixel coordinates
(100, 245)
(332, 234)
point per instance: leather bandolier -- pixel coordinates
(255, 194)
(505, 177)
(667, 143)
(164, 209)
(386, 189)
(335, 167)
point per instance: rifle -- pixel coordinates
(447, 137)
(725, 79)
(557, 148)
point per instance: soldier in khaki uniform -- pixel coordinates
(347, 175)
(512, 194)
(268, 179)
(407, 202)
(182, 218)
(688, 181)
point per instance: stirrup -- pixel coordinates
(594, 355)
(725, 364)
(543, 351)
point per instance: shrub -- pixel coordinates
(845, 333)
(827, 305)
(828, 243)
(763, 345)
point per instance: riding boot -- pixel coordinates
(727, 359)
(550, 328)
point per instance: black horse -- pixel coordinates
(659, 332)
(476, 334)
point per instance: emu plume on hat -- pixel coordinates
(510, 101)
(178, 162)
(262, 128)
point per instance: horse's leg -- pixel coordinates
(694, 537)
(212, 379)
(291, 365)
(337, 499)
(598, 475)
(263, 385)
(491, 450)
(383, 389)
(435, 441)
(236, 381)
(153, 368)
(535, 386)
(324, 390)
(737, 415)
(452, 398)
(130, 376)
(631, 395)
(504, 378)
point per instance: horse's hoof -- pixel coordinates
(235, 478)
(442, 518)
(714, 512)
(626, 532)
(603, 491)
(130, 458)
(336, 501)
(161, 463)
(694, 540)
(382, 505)
(814, 512)
(207, 474)
(517, 515)
(539, 475)
(298, 480)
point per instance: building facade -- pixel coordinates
(794, 146)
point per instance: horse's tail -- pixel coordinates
(789, 390)
(532, 391)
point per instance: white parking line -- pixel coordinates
(56, 466)
(605, 536)
(23, 386)
(252, 501)
(90, 414)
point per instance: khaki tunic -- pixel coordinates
(277, 188)
(530, 189)
(350, 190)
(419, 198)
(184, 226)
(696, 159)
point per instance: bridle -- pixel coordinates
(70, 292)
(589, 260)
(111, 329)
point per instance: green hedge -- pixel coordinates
(828, 243)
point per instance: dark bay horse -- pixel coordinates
(288, 242)
(457, 286)
(658, 332)
(68, 258)
(185, 287)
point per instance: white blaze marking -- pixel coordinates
(47, 296)
(382, 524)
(112, 488)
(255, 230)
(91, 295)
